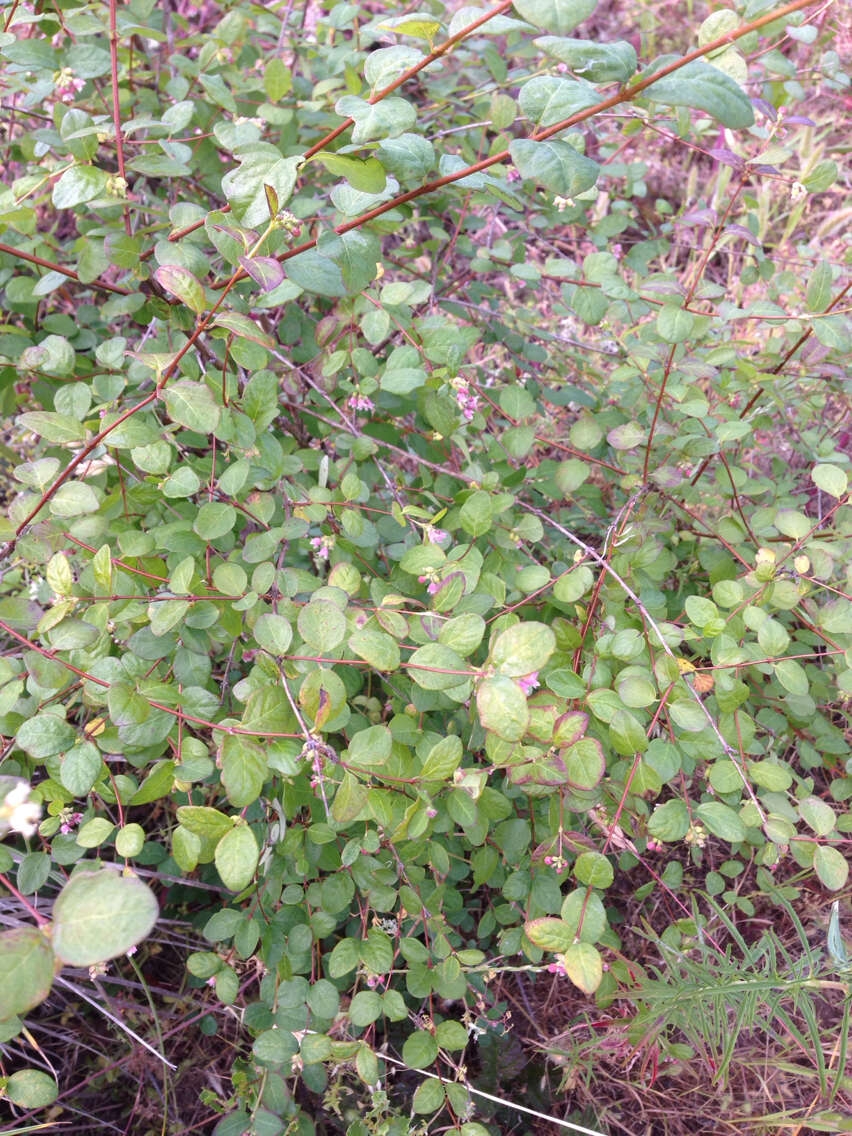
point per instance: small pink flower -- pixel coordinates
(468, 402)
(437, 536)
(528, 683)
(322, 546)
(70, 822)
(558, 968)
(360, 402)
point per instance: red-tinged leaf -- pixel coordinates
(246, 237)
(266, 271)
(549, 934)
(584, 966)
(244, 327)
(180, 282)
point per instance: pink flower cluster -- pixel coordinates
(322, 546)
(432, 582)
(437, 536)
(360, 402)
(468, 402)
(69, 821)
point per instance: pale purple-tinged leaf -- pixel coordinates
(266, 271)
(271, 199)
(244, 327)
(180, 282)
(742, 231)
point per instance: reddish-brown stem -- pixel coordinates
(627, 94)
(37, 915)
(116, 109)
(410, 73)
(11, 16)
(69, 272)
(373, 99)
(777, 369)
(670, 360)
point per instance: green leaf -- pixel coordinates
(674, 323)
(364, 1008)
(419, 1049)
(547, 99)
(316, 273)
(584, 966)
(558, 16)
(180, 282)
(243, 769)
(204, 821)
(273, 633)
(244, 186)
(74, 499)
(722, 821)
(792, 676)
(99, 915)
(126, 706)
(556, 165)
(436, 667)
(79, 185)
(157, 784)
(80, 769)
(26, 970)
(627, 733)
(236, 857)
(700, 86)
(386, 119)
(594, 870)
(475, 513)
(376, 951)
(463, 633)
(830, 479)
(523, 649)
(429, 1096)
(377, 648)
(442, 759)
(322, 625)
(669, 822)
(502, 708)
(367, 176)
(818, 815)
(831, 867)
(343, 959)
(585, 763)
(30, 1088)
(277, 79)
(818, 294)
(371, 746)
(549, 934)
(44, 735)
(53, 427)
(214, 519)
(94, 832)
(613, 62)
(192, 405)
(129, 840)
(409, 157)
(350, 800)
